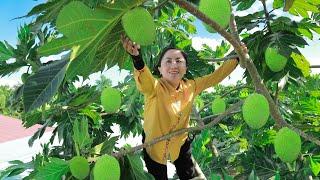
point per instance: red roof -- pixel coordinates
(11, 129)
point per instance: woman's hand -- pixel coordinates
(131, 47)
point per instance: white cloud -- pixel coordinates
(114, 74)
(197, 42)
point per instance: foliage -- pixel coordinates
(86, 34)
(8, 106)
(233, 148)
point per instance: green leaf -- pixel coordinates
(46, 12)
(16, 167)
(301, 63)
(315, 166)
(43, 85)
(93, 36)
(86, 59)
(80, 27)
(85, 95)
(91, 113)
(81, 135)
(306, 32)
(107, 146)
(302, 7)
(288, 4)
(5, 52)
(253, 176)
(215, 177)
(30, 119)
(116, 53)
(8, 69)
(277, 4)
(52, 170)
(224, 127)
(135, 165)
(244, 5)
(277, 176)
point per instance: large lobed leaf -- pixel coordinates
(132, 169)
(301, 63)
(43, 85)
(302, 7)
(52, 170)
(81, 135)
(93, 36)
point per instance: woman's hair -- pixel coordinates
(156, 67)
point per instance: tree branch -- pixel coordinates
(209, 118)
(315, 66)
(178, 132)
(266, 13)
(256, 79)
(222, 59)
(197, 116)
(225, 94)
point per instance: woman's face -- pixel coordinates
(173, 66)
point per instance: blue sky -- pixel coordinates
(10, 9)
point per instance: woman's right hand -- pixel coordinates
(131, 47)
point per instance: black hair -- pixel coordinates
(156, 67)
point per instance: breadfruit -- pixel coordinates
(287, 144)
(110, 99)
(218, 106)
(106, 167)
(217, 10)
(255, 110)
(274, 60)
(139, 26)
(79, 167)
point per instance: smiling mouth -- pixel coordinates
(174, 72)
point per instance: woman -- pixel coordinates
(168, 104)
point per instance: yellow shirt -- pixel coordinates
(168, 109)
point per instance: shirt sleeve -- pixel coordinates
(145, 81)
(204, 82)
(138, 63)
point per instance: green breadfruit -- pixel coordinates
(217, 10)
(274, 60)
(110, 99)
(255, 110)
(79, 167)
(139, 26)
(287, 145)
(106, 167)
(218, 106)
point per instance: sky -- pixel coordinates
(11, 9)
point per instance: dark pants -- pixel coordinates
(185, 166)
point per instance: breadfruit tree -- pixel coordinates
(257, 129)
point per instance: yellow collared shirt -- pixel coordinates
(168, 109)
